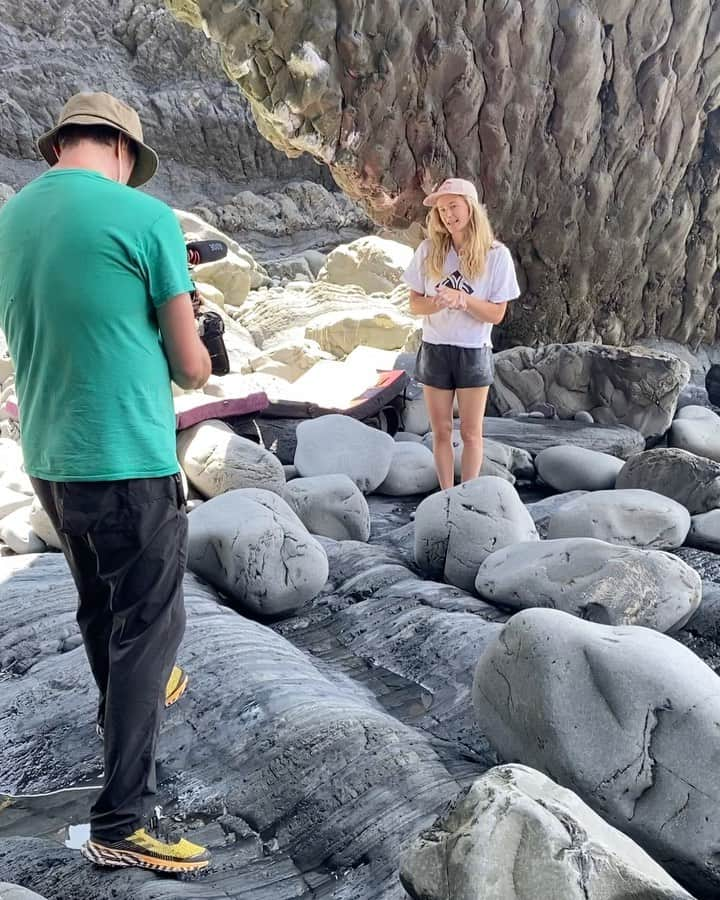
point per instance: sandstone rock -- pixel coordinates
(535, 435)
(215, 460)
(577, 469)
(705, 531)
(289, 269)
(691, 480)
(594, 580)
(374, 263)
(618, 386)
(456, 529)
(330, 505)
(11, 458)
(552, 693)
(18, 534)
(11, 500)
(340, 332)
(517, 834)
(336, 444)
(278, 311)
(17, 480)
(699, 435)
(289, 359)
(589, 163)
(412, 471)
(251, 546)
(637, 518)
(236, 385)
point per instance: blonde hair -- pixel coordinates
(473, 255)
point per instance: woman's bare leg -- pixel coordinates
(439, 404)
(471, 404)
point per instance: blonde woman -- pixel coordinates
(460, 280)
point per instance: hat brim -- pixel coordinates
(146, 163)
(432, 199)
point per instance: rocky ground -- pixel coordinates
(369, 656)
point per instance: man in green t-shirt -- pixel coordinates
(95, 306)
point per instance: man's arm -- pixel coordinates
(189, 361)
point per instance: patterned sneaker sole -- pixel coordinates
(106, 856)
(177, 693)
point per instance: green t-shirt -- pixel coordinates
(84, 262)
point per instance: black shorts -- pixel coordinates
(449, 367)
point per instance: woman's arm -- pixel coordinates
(421, 304)
(482, 310)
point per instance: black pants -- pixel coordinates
(126, 545)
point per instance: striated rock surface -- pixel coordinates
(592, 132)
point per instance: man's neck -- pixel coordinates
(91, 158)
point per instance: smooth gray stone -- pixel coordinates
(691, 480)
(594, 580)
(694, 411)
(456, 529)
(336, 444)
(582, 415)
(516, 834)
(577, 468)
(250, 545)
(15, 892)
(553, 692)
(412, 471)
(536, 435)
(501, 460)
(692, 395)
(705, 531)
(331, 505)
(407, 437)
(543, 510)
(635, 517)
(699, 435)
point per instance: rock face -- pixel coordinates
(617, 386)
(544, 106)
(550, 684)
(456, 529)
(594, 580)
(516, 834)
(251, 546)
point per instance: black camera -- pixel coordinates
(210, 324)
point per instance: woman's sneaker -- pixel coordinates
(146, 852)
(174, 689)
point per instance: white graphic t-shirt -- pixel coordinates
(497, 284)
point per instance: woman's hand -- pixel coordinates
(449, 298)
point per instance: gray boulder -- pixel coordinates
(215, 460)
(692, 480)
(577, 468)
(552, 692)
(635, 517)
(515, 834)
(695, 411)
(412, 471)
(330, 505)
(705, 531)
(630, 386)
(456, 529)
(594, 580)
(337, 444)
(250, 545)
(699, 434)
(501, 460)
(15, 892)
(543, 510)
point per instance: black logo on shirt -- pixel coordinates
(456, 282)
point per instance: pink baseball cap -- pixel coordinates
(452, 186)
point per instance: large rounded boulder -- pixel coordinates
(252, 547)
(456, 529)
(624, 717)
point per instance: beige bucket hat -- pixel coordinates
(104, 109)
(452, 186)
